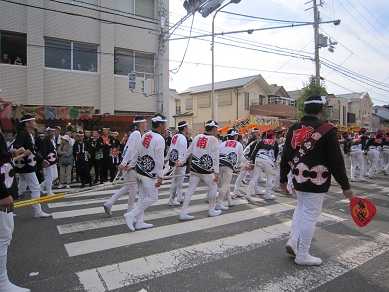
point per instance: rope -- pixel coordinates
(116, 182)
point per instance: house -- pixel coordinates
(359, 109)
(76, 55)
(235, 99)
(337, 109)
(380, 117)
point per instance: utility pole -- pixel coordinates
(161, 50)
(316, 34)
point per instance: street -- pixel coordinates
(82, 249)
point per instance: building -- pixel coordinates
(337, 109)
(236, 98)
(380, 117)
(359, 109)
(76, 55)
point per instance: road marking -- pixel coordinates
(309, 279)
(128, 238)
(146, 268)
(109, 222)
(117, 207)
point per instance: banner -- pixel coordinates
(349, 129)
(263, 123)
(56, 112)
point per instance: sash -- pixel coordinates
(309, 144)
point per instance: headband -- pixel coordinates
(158, 119)
(139, 121)
(254, 130)
(49, 129)
(212, 124)
(322, 101)
(233, 133)
(183, 125)
(27, 120)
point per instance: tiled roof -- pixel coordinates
(233, 83)
(353, 95)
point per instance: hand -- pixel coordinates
(348, 194)
(26, 152)
(216, 179)
(45, 163)
(128, 168)
(159, 182)
(178, 164)
(7, 204)
(284, 187)
(121, 167)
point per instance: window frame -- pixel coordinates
(71, 53)
(133, 54)
(22, 37)
(134, 9)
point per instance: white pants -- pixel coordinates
(268, 169)
(225, 176)
(50, 173)
(6, 229)
(148, 195)
(385, 160)
(306, 214)
(194, 179)
(131, 188)
(33, 184)
(374, 157)
(177, 182)
(22, 184)
(356, 159)
(242, 175)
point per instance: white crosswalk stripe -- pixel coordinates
(80, 218)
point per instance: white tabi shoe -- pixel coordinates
(173, 203)
(307, 260)
(107, 209)
(249, 198)
(263, 192)
(291, 248)
(269, 197)
(221, 207)
(186, 217)
(262, 180)
(142, 225)
(238, 194)
(129, 217)
(41, 214)
(214, 213)
(231, 203)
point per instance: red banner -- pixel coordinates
(56, 112)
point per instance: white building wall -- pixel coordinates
(36, 85)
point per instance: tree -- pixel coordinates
(311, 88)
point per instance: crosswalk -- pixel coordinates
(173, 247)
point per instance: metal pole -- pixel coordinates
(316, 32)
(161, 48)
(214, 100)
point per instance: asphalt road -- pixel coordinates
(82, 249)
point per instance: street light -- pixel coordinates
(214, 103)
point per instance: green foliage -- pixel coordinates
(311, 88)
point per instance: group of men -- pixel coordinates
(361, 149)
(310, 156)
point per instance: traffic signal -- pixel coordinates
(191, 6)
(210, 7)
(132, 80)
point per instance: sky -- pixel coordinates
(360, 61)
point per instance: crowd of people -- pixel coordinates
(301, 160)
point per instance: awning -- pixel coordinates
(45, 112)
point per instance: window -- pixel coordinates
(84, 57)
(225, 99)
(82, 2)
(203, 101)
(127, 61)
(13, 46)
(246, 101)
(188, 103)
(143, 8)
(69, 55)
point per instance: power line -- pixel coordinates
(80, 15)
